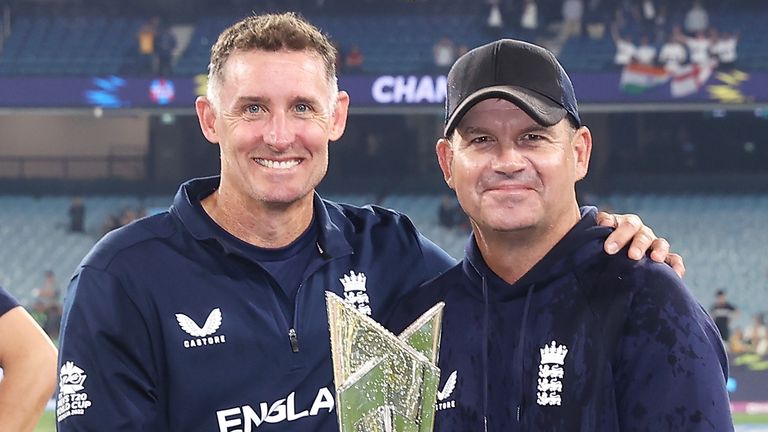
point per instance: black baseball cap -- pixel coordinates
(523, 73)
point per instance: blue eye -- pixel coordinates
(253, 109)
(302, 108)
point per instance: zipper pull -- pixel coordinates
(519, 409)
(294, 340)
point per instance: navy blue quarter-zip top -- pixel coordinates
(171, 323)
(581, 342)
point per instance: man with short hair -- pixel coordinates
(723, 312)
(211, 316)
(542, 330)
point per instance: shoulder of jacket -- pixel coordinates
(158, 226)
(369, 217)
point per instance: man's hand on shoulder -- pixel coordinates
(630, 229)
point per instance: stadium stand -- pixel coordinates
(397, 39)
(721, 236)
(35, 238)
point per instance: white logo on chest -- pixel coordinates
(446, 392)
(203, 335)
(355, 292)
(550, 374)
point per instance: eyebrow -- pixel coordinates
(244, 100)
(534, 128)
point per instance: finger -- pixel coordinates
(606, 219)
(659, 250)
(629, 228)
(676, 262)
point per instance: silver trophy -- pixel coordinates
(384, 383)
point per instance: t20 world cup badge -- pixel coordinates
(384, 383)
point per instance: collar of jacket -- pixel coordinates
(583, 242)
(187, 207)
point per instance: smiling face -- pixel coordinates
(511, 174)
(275, 113)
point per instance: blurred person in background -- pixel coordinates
(542, 330)
(211, 315)
(443, 54)
(673, 53)
(723, 312)
(165, 44)
(28, 363)
(76, 215)
(354, 60)
(145, 41)
(756, 335)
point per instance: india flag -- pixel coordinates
(637, 78)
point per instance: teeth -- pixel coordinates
(277, 164)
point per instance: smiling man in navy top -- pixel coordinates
(544, 331)
(211, 316)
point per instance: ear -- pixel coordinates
(582, 151)
(206, 116)
(339, 119)
(444, 151)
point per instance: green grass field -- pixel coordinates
(761, 419)
(47, 422)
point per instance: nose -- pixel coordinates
(279, 135)
(508, 160)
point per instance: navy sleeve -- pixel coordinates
(671, 367)
(108, 378)
(7, 302)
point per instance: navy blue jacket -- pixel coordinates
(170, 326)
(7, 302)
(584, 341)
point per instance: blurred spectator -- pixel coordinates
(648, 14)
(529, 20)
(48, 292)
(645, 53)
(76, 214)
(112, 222)
(673, 53)
(450, 215)
(126, 216)
(696, 19)
(595, 19)
(573, 13)
(699, 48)
(165, 43)
(444, 54)
(146, 42)
(46, 307)
(495, 21)
(723, 313)
(625, 49)
(724, 48)
(736, 343)
(756, 335)
(660, 24)
(354, 60)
